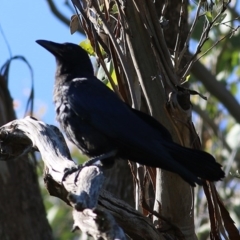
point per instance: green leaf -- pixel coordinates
(238, 71)
(197, 32)
(114, 9)
(220, 19)
(187, 78)
(235, 59)
(209, 16)
(86, 45)
(233, 88)
(102, 75)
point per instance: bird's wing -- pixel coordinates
(162, 131)
(107, 113)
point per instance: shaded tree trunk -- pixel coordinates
(119, 182)
(22, 213)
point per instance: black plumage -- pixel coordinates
(99, 123)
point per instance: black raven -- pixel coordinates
(102, 126)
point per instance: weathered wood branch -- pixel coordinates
(95, 210)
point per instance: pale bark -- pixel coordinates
(94, 210)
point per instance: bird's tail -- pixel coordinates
(201, 164)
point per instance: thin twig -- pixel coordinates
(190, 32)
(203, 39)
(216, 43)
(177, 44)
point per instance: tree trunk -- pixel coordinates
(22, 213)
(119, 182)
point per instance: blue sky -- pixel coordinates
(23, 22)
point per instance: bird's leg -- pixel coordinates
(90, 162)
(94, 161)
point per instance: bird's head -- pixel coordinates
(70, 57)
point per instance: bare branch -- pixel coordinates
(96, 219)
(190, 33)
(81, 189)
(217, 89)
(208, 26)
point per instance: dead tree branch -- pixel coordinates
(95, 210)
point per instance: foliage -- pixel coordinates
(219, 129)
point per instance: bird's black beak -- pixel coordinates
(55, 48)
